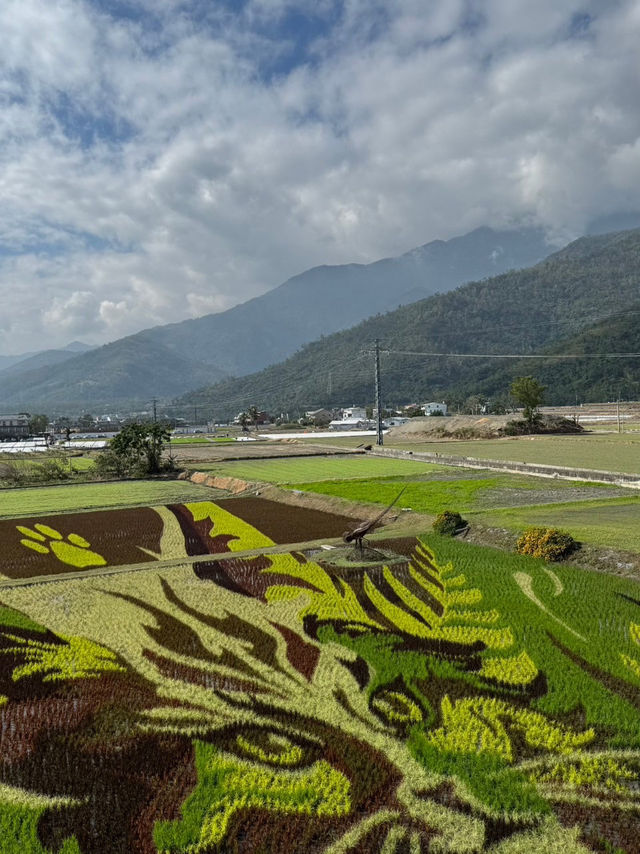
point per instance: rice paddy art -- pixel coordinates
(447, 700)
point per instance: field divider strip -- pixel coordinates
(8, 583)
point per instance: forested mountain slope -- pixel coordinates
(121, 375)
(165, 360)
(325, 299)
(524, 311)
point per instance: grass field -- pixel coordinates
(301, 469)
(614, 523)
(33, 501)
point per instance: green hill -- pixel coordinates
(125, 372)
(559, 303)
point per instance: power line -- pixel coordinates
(516, 355)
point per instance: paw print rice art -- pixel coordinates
(74, 550)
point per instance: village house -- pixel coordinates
(433, 407)
(14, 426)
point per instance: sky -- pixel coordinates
(164, 159)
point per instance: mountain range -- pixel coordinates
(584, 298)
(168, 360)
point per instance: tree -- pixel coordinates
(474, 404)
(243, 420)
(529, 393)
(38, 423)
(254, 416)
(137, 449)
(86, 421)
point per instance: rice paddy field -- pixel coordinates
(603, 451)
(462, 490)
(202, 440)
(70, 497)
(302, 469)
(217, 695)
(598, 514)
(601, 514)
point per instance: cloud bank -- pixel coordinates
(168, 158)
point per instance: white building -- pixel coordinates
(14, 426)
(430, 408)
(354, 412)
(349, 424)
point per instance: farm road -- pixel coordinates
(254, 451)
(181, 561)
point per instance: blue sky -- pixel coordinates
(162, 159)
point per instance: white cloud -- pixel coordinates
(163, 167)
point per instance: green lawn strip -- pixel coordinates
(614, 522)
(588, 617)
(301, 470)
(603, 452)
(39, 501)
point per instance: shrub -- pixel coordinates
(11, 473)
(548, 543)
(540, 424)
(52, 469)
(448, 522)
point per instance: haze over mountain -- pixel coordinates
(268, 328)
(525, 311)
(12, 365)
(126, 373)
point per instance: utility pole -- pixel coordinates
(155, 413)
(618, 415)
(378, 393)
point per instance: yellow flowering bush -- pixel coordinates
(549, 544)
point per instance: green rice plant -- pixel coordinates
(433, 496)
(87, 496)
(630, 661)
(451, 703)
(77, 658)
(20, 813)
(227, 784)
(295, 470)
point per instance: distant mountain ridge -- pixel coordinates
(325, 299)
(545, 307)
(28, 361)
(123, 373)
(266, 329)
